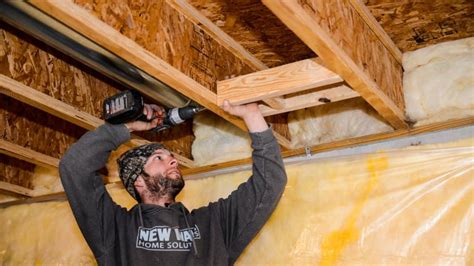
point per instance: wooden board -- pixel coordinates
(295, 77)
(15, 189)
(347, 46)
(416, 24)
(311, 99)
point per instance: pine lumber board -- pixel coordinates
(278, 81)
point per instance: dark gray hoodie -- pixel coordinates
(165, 235)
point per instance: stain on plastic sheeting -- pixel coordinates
(334, 243)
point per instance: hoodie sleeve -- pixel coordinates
(247, 209)
(92, 206)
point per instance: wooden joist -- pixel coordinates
(16, 190)
(295, 77)
(337, 34)
(28, 155)
(370, 20)
(61, 110)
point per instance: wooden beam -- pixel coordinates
(37, 99)
(278, 81)
(48, 104)
(15, 189)
(88, 25)
(28, 155)
(43, 198)
(370, 20)
(364, 65)
(344, 143)
(312, 99)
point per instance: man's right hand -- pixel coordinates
(151, 111)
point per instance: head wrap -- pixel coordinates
(131, 165)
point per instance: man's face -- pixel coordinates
(161, 174)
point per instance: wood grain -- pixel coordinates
(277, 81)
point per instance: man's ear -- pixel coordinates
(139, 184)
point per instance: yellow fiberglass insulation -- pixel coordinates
(407, 206)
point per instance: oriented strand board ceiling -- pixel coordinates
(256, 28)
(417, 24)
(411, 25)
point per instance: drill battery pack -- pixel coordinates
(124, 107)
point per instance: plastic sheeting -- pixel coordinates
(410, 206)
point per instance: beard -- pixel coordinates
(160, 186)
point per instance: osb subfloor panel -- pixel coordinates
(33, 64)
(255, 27)
(417, 24)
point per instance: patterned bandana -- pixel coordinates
(131, 165)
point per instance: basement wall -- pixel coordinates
(412, 205)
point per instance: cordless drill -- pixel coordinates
(128, 106)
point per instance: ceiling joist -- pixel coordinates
(27, 155)
(350, 48)
(16, 190)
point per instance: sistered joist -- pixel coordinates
(335, 31)
(176, 72)
(278, 81)
(39, 100)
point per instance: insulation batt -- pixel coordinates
(411, 206)
(217, 141)
(335, 121)
(438, 82)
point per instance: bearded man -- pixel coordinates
(159, 230)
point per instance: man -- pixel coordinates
(159, 230)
